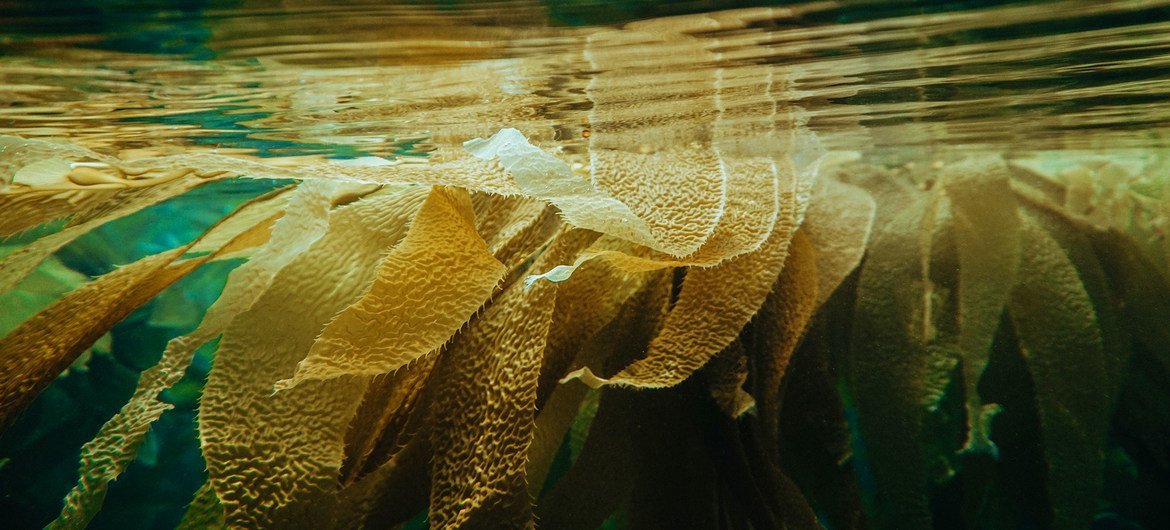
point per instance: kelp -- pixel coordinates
(109, 453)
(283, 473)
(1061, 342)
(414, 337)
(46, 344)
(426, 288)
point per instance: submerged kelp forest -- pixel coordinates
(847, 265)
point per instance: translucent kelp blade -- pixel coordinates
(779, 327)
(115, 446)
(205, 512)
(483, 415)
(544, 176)
(585, 303)
(838, 223)
(713, 306)
(726, 374)
(602, 475)
(654, 153)
(273, 460)
(17, 265)
(1059, 337)
(589, 346)
(891, 373)
(987, 234)
(33, 354)
(35, 187)
(426, 289)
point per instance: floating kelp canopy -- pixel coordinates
(698, 318)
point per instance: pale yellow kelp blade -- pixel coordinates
(546, 177)
(650, 146)
(1060, 339)
(838, 223)
(987, 234)
(115, 446)
(714, 305)
(482, 420)
(426, 289)
(273, 460)
(35, 187)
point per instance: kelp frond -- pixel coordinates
(407, 338)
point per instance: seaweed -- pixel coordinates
(495, 340)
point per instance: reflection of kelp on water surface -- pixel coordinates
(760, 345)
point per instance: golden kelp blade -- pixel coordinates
(33, 354)
(726, 374)
(16, 266)
(204, 512)
(483, 415)
(513, 227)
(105, 457)
(588, 302)
(889, 367)
(779, 327)
(714, 305)
(638, 143)
(838, 223)
(1061, 342)
(987, 234)
(426, 289)
(602, 475)
(273, 460)
(22, 210)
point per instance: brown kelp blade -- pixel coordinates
(108, 454)
(32, 355)
(779, 327)
(714, 305)
(484, 412)
(890, 370)
(987, 234)
(1059, 336)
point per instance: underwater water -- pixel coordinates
(585, 264)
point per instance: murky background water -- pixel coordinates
(296, 82)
